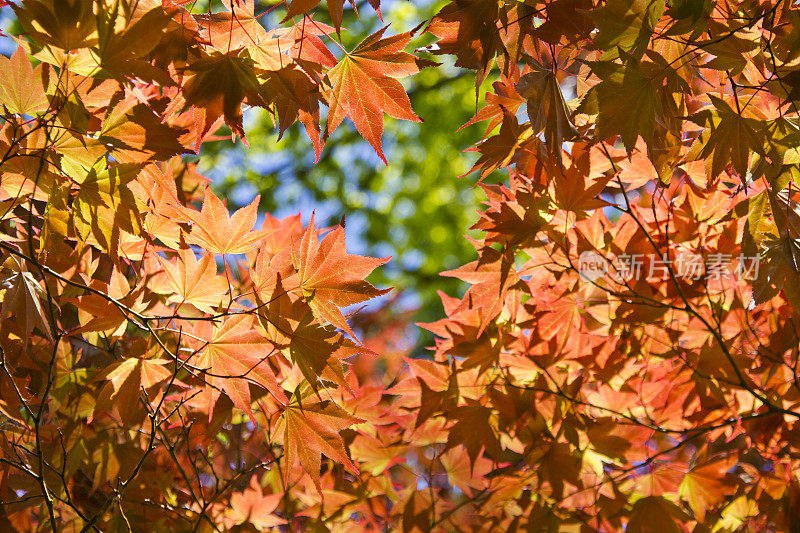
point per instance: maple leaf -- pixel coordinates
(547, 110)
(435, 402)
(468, 30)
(234, 355)
(418, 512)
(491, 276)
(217, 89)
(219, 232)
(21, 88)
(479, 350)
(499, 150)
(626, 25)
(105, 206)
(704, 485)
(566, 18)
(375, 455)
(627, 117)
(331, 278)
(738, 513)
(513, 214)
(310, 428)
(504, 101)
(78, 153)
(605, 438)
(364, 86)
(195, 282)
(577, 192)
(97, 313)
(23, 298)
(335, 8)
(308, 45)
(235, 28)
(121, 54)
(653, 514)
(465, 474)
(66, 25)
(559, 464)
(729, 138)
(731, 55)
(776, 238)
(295, 97)
(317, 350)
(134, 134)
(475, 428)
(280, 233)
(254, 507)
(126, 381)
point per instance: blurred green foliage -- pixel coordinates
(416, 209)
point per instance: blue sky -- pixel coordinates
(7, 45)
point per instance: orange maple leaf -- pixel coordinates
(195, 282)
(364, 86)
(219, 232)
(330, 277)
(234, 355)
(310, 427)
(254, 507)
(21, 88)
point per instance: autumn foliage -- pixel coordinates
(167, 364)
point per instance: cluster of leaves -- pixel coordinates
(633, 130)
(415, 209)
(163, 362)
(142, 386)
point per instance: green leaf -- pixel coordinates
(632, 116)
(626, 25)
(729, 138)
(105, 205)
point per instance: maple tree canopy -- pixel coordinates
(625, 357)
